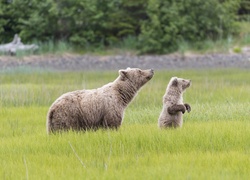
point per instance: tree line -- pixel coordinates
(157, 25)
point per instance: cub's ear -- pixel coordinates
(175, 82)
(123, 74)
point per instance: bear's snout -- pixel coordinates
(151, 74)
(151, 71)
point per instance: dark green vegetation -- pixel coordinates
(213, 143)
(147, 26)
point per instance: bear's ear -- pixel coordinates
(175, 82)
(123, 74)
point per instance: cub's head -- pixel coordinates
(179, 83)
(137, 77)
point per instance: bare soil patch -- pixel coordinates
(70, 62)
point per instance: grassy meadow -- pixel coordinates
(214, 142)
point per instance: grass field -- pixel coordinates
(214, 142)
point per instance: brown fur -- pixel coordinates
(97, 108)
(173, 106)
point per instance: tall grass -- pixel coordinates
(213, 143)
(49, 47)
(233, 43)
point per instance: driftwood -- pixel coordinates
(16, 45)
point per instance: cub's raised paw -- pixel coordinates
(188, 107)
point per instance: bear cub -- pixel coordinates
(173, 106)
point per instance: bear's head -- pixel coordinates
(179, 83)
(136, 76)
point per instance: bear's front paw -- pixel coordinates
(188, 107)
(183, 110)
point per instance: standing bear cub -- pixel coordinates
(173, 106)
(97, 108)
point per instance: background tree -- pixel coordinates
(158, 25)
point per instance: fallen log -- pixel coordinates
(16, 45)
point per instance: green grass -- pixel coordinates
(232, 43)
(213, 143)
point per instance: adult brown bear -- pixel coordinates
(97, 108)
